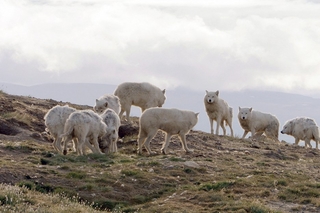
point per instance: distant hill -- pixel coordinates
(284, 105)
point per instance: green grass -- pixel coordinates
(77, 175)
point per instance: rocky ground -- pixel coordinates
(223, 174)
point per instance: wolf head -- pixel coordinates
(287, 128)
(244, 113)
(100, 106)
(161, 98)
(211, 97)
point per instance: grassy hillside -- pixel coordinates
(223, 174)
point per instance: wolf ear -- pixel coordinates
(164, 91)
(207, 92)
(106, 104)
(217, 92)
(97, 100)
(250, 109)
(239, 108)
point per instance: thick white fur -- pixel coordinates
(218, 110)
(171, 121)
(107, 101)
(55, 120)
(110, 139)
(86, 126)
(143, 95)
(258, 123)
(302, 128)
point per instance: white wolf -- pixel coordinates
(258, 123)
(110, 139)
(107, 101)
(143, 95)
(218, 110)
(87, 127)
(55, 120)
(171, 121)
(302, 129)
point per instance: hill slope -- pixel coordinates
(223, 174)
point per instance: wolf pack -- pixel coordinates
(97, 129)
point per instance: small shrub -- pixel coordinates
(215, 198)
(22, 148)
(201, 170)
(7, 200)
(64, 167)
(44, 161)
(76, 175)
(282, 183)
(100, 158)
(188, 171)
(262, 164)
(44, 188)
(129, 172)
(87, 187)
(101, 165)
(10, 147)
(105, 204)
(65, 192)
(216, 186)
(282, 197)
(81, 158)
(125, 161)
(306, 201)
(140, 199)
(258, 209)
(316, 185)
(28, 184)
(176, 159)
(265, 194)
(48, 154)
(153, 163)
(26, 149)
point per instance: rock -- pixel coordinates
(191, 164)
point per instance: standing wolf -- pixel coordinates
(55, 120)
(302, 129)
(143, 95)
(87, 127)
(258, 123)
(171, 121)
(218, 110)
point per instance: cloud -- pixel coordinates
(228, 45)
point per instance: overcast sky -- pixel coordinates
(204, 45)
